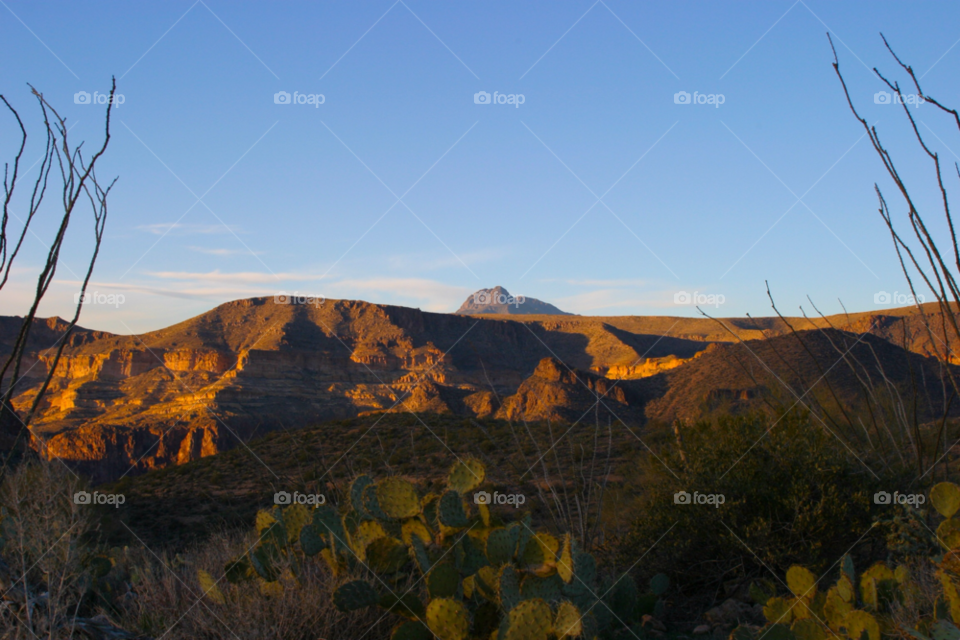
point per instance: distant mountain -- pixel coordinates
(499, 301)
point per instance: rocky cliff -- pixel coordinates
(127, 404)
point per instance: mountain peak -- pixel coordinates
(499, 301)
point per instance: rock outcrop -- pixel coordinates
(499, 301)
(127, 404)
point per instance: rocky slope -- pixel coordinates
(499, 301)
(128, 404)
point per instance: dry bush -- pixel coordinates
(41, 571)
(169, 603)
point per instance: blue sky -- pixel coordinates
(599, 193)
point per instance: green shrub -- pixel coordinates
(792, 495)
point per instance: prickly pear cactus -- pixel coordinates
(449, 568)
(808, 614)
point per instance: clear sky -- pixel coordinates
(598, 192)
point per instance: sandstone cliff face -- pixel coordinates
(128, 404)
(557, 393)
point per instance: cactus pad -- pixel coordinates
(509, 587)
(264, 520)
(407, 605)
(486, 581)
(944, 630)
(501, 545)
(473, 555)
(546, 589)
(801, 582)
(264, 561)
(540, 553)
(945, 498)
(371, 504)
(623, 598)
(311, 541)
(411, 630)
(530, 620)
(949, 533)
(367, 532)
(327, 520)
(443, 581)
(355, 595)
(398, 498)
(415, 528)
(209, 587)
(660, 583)
(294, 518)
(857, 622)
(448, 619)
(835, 609)
(356, 494)
(568, 623)
(238, 570)
(565, 561)
(387, 555)
(525, 532)
(420, 554)
(778, 611)
(778, 632)
(450, 510)
(466, 475)
(809, 629)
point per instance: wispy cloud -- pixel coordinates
(221, 286)
(183, 229)
(600, 283)
(241, 277)
(224, 252)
